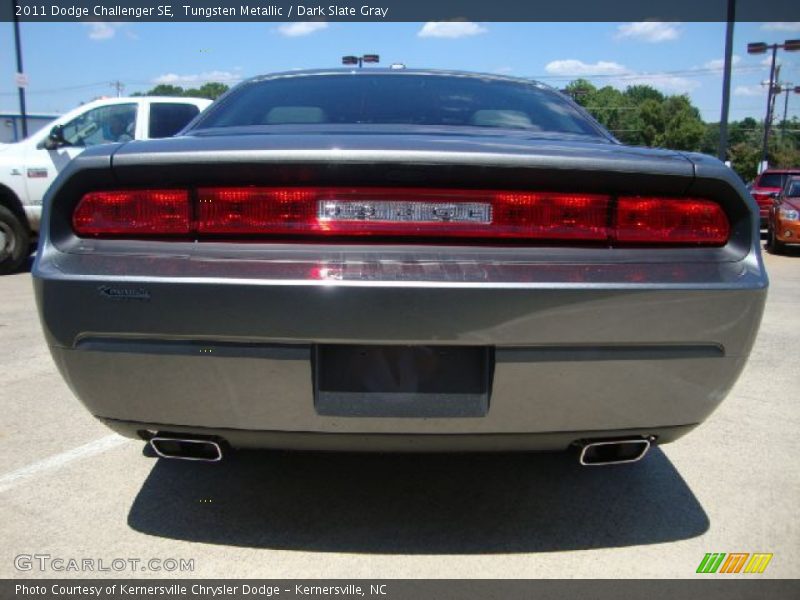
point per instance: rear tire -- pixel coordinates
(774, 246)
(15, 241)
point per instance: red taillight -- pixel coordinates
(763, 199)
(402, 212)
(648, 220)
(133, 212)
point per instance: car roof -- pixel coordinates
(397, 73)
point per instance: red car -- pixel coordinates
(784, 217)
(767, 186)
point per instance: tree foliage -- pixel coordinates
(642, 115)
(211, 90)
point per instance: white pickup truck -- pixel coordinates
(29, 167)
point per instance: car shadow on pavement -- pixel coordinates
(27, 264)
(793, 251)
(413, 504)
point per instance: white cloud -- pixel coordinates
(100, 30)
(301, 28)
(198, 78)
(781, 26)
(749, 90)
(767, 62)
(662, 81)
(450, 29)
(719, 63)
(649, 31)
(575, 68)
(620, 76)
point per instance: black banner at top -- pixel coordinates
(396, 10)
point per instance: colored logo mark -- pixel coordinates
(734, 562)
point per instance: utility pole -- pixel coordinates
(786, 88)
(119, 86)
(768, 118)
(20, 73)
(722, 150)
(761, 48)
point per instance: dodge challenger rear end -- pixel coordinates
(400, 261)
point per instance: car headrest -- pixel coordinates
(501, 118)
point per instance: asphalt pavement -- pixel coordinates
(71, 489)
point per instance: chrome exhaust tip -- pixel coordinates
(186, 449)
(613, 452)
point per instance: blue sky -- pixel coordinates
(68, 63)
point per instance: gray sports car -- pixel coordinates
(399, 260)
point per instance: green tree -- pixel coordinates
(580, 90)
(783, 153)
(651, 121)
(645, 116)
(683, 127)
(710, 141)
(211, 90)
(744, 158)
(639, 93)
(165, 89)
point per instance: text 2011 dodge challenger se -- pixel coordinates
(399, 260)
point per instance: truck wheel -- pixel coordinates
(15, 241)
(774, 246)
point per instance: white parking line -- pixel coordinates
(13, 479)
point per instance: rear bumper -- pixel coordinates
(580, 349)
(344, 442)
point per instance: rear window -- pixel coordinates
(775, 180)
(398, 99)
(168, 118)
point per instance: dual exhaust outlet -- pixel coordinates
(186, 448)
(592, 453)
(612, 452)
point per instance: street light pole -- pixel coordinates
(768, 119)
(722, 150)
(20, 72)
(360, 60)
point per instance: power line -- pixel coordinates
(62, 89)
(699, 72)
